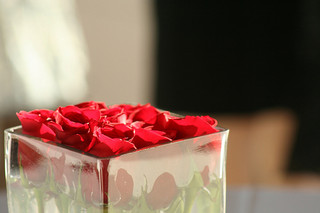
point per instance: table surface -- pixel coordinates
(256, 200)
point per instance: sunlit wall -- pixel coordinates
(59, 52)
(120, 37)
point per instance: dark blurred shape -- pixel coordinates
(241, 57)
(306, 153)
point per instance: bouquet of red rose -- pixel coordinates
(121, 158)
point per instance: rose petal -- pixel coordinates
(109, 131)
(90, 126)
(43, 113)
(123, 131)
(144, 138)
(146, 113)
(47, 133)
(137, 124)
(117, 145)
(101, 150)
(190, 126)
(162, 121)
(213, 122)
(73, 113)
(91, 114)
(30, 122)
(33, 124)
(92, 105)
(113, 111)
(68, 124)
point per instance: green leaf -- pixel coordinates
(178, 205)
(192, 190)
(24, 180)
(39, 197)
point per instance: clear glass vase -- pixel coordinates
(182, 176)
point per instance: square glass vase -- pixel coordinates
(182, 176)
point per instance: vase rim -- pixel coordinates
(18, 131)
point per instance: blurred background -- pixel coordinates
(252, 65)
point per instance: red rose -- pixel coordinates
(114, 130)
(35, 123)
(107, 131)
(106, 146)
(72, 125)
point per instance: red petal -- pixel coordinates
(47, 133)
(91, 114)
(68, 124)
(109, 131)
(43, 113)
(146, 113)
(30, 122)
(101, 150)
(115, 144)
(137, 124)
(213, 122)
(123, 131)
(34, 125)
(162, 121)
(145, 138)
(190, 126)
(113, 111)
(92, 105)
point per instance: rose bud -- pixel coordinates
(205, 176)
(34, 164)
(65, 174)
(208, 150)
(121, 188)
(163, 192)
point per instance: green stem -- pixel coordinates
(192, 191)
(189, 203)
(63, 202)
(39, 198)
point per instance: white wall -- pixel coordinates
(120, 37)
